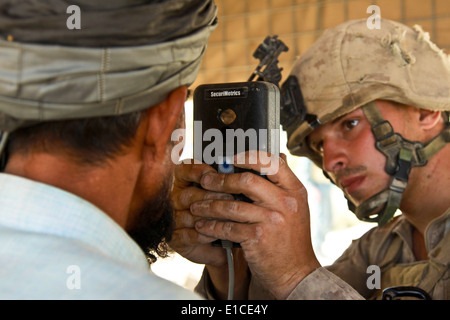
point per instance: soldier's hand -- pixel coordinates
(274, 230)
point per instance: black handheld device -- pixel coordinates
(230, 118)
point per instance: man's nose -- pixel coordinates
(334, 155)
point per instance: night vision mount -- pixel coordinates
(292, 108)
(268, 52)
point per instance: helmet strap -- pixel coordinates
(390, 198)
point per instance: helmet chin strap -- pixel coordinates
(401, 156)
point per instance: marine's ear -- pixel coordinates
(429, 119)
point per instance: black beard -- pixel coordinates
(153, 234)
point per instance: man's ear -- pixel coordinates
(429, 119)
(162, 119)
(430, 123)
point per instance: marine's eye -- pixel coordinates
(350, 124)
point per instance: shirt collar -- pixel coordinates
(434, 233)
(437, 230)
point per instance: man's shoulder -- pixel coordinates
(49, 267)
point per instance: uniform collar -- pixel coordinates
(434, 233)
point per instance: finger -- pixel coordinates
(197, 247)
(229, 230)
(276, 167)
(188, 237)
(264, 162)
(183, 198)
(264, 193)
(186, 174)
(184, 219)
(251, 185)
(239, 211)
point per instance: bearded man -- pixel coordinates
(86, 118)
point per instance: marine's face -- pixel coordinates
(347, 147)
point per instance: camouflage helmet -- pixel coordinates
(351, 66)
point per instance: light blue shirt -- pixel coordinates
(55, 245)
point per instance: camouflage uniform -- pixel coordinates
(349, 67)
(388, 247)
